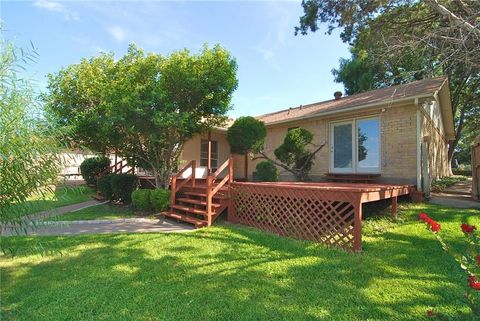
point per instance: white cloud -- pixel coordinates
(281, 18)
(118, 33)
(55, 6)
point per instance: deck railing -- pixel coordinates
(175, 188)
(211, 191)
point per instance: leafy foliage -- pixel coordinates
(246, 134)
(397, 41)
(441, 184)
(122, 186)
(143, 106)
(29, 162)
(141, 199)
(294, 153)
(267, 172)
(104, 186)
(160, 199)
(92, 167)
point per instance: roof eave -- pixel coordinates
(339, 111)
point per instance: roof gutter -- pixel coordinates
(327, 113)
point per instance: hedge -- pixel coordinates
(267, 172)
(160, 199)
(141, 199)
(91, 167)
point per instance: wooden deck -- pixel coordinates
(326, 212)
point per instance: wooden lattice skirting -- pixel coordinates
(331, 217)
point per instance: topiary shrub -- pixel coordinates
(123, 186)
(141, 199)
(246, 134)
(160, 199)
(91, 167)
(267, 172)
(104, 186)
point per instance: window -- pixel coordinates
(355, 146)
(204, 154)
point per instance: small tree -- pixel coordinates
(247, 134)
(29, 162)
(144, 106)
(294, 155)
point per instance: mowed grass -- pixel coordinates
(60, 196)
(229, 272)
(99, 212)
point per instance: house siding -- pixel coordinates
(398, 142)
(437, 144)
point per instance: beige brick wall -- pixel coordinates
(398, 142)
(191, 149)
(437, 148)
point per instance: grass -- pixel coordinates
(441, 184)
(229, 272)
(99, 212)
(61, 196)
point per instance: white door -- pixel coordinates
(341, 148)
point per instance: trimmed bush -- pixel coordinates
(267, 172)
(141, 199)
(123, 186)
(104, 186)
(91, 167)
(160, 199)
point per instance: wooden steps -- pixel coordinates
(185, 218)
(196, 202)
(200, 202)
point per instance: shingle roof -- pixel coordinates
(387, 95)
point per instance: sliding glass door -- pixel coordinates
(355, 146)
(342, 147)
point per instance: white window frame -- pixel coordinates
(355, 169)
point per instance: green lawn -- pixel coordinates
(233, 273)
(61, 196)
(100, 212)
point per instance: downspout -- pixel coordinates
(419, 146)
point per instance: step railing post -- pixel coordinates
(209, 200)
(194, 166)
(230, 170)
(173, 191)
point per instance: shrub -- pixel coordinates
(267, 172)
(141, 199)
(91, 167)
(160, 199)
(104, 186)
(123, 186)
(246, 134)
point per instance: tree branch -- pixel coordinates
(442, 10)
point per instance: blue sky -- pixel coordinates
(276, 69)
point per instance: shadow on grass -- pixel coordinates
(230, 273)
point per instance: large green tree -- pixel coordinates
(144, 106)
(397, 41)
(29, 162)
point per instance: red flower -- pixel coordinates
(469, 229)
(430, 313)
(434, 226)
(423, 216)
(473, 283)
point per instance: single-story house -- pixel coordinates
(399, 134)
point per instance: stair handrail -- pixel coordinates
(174, 188)
(211, 179)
